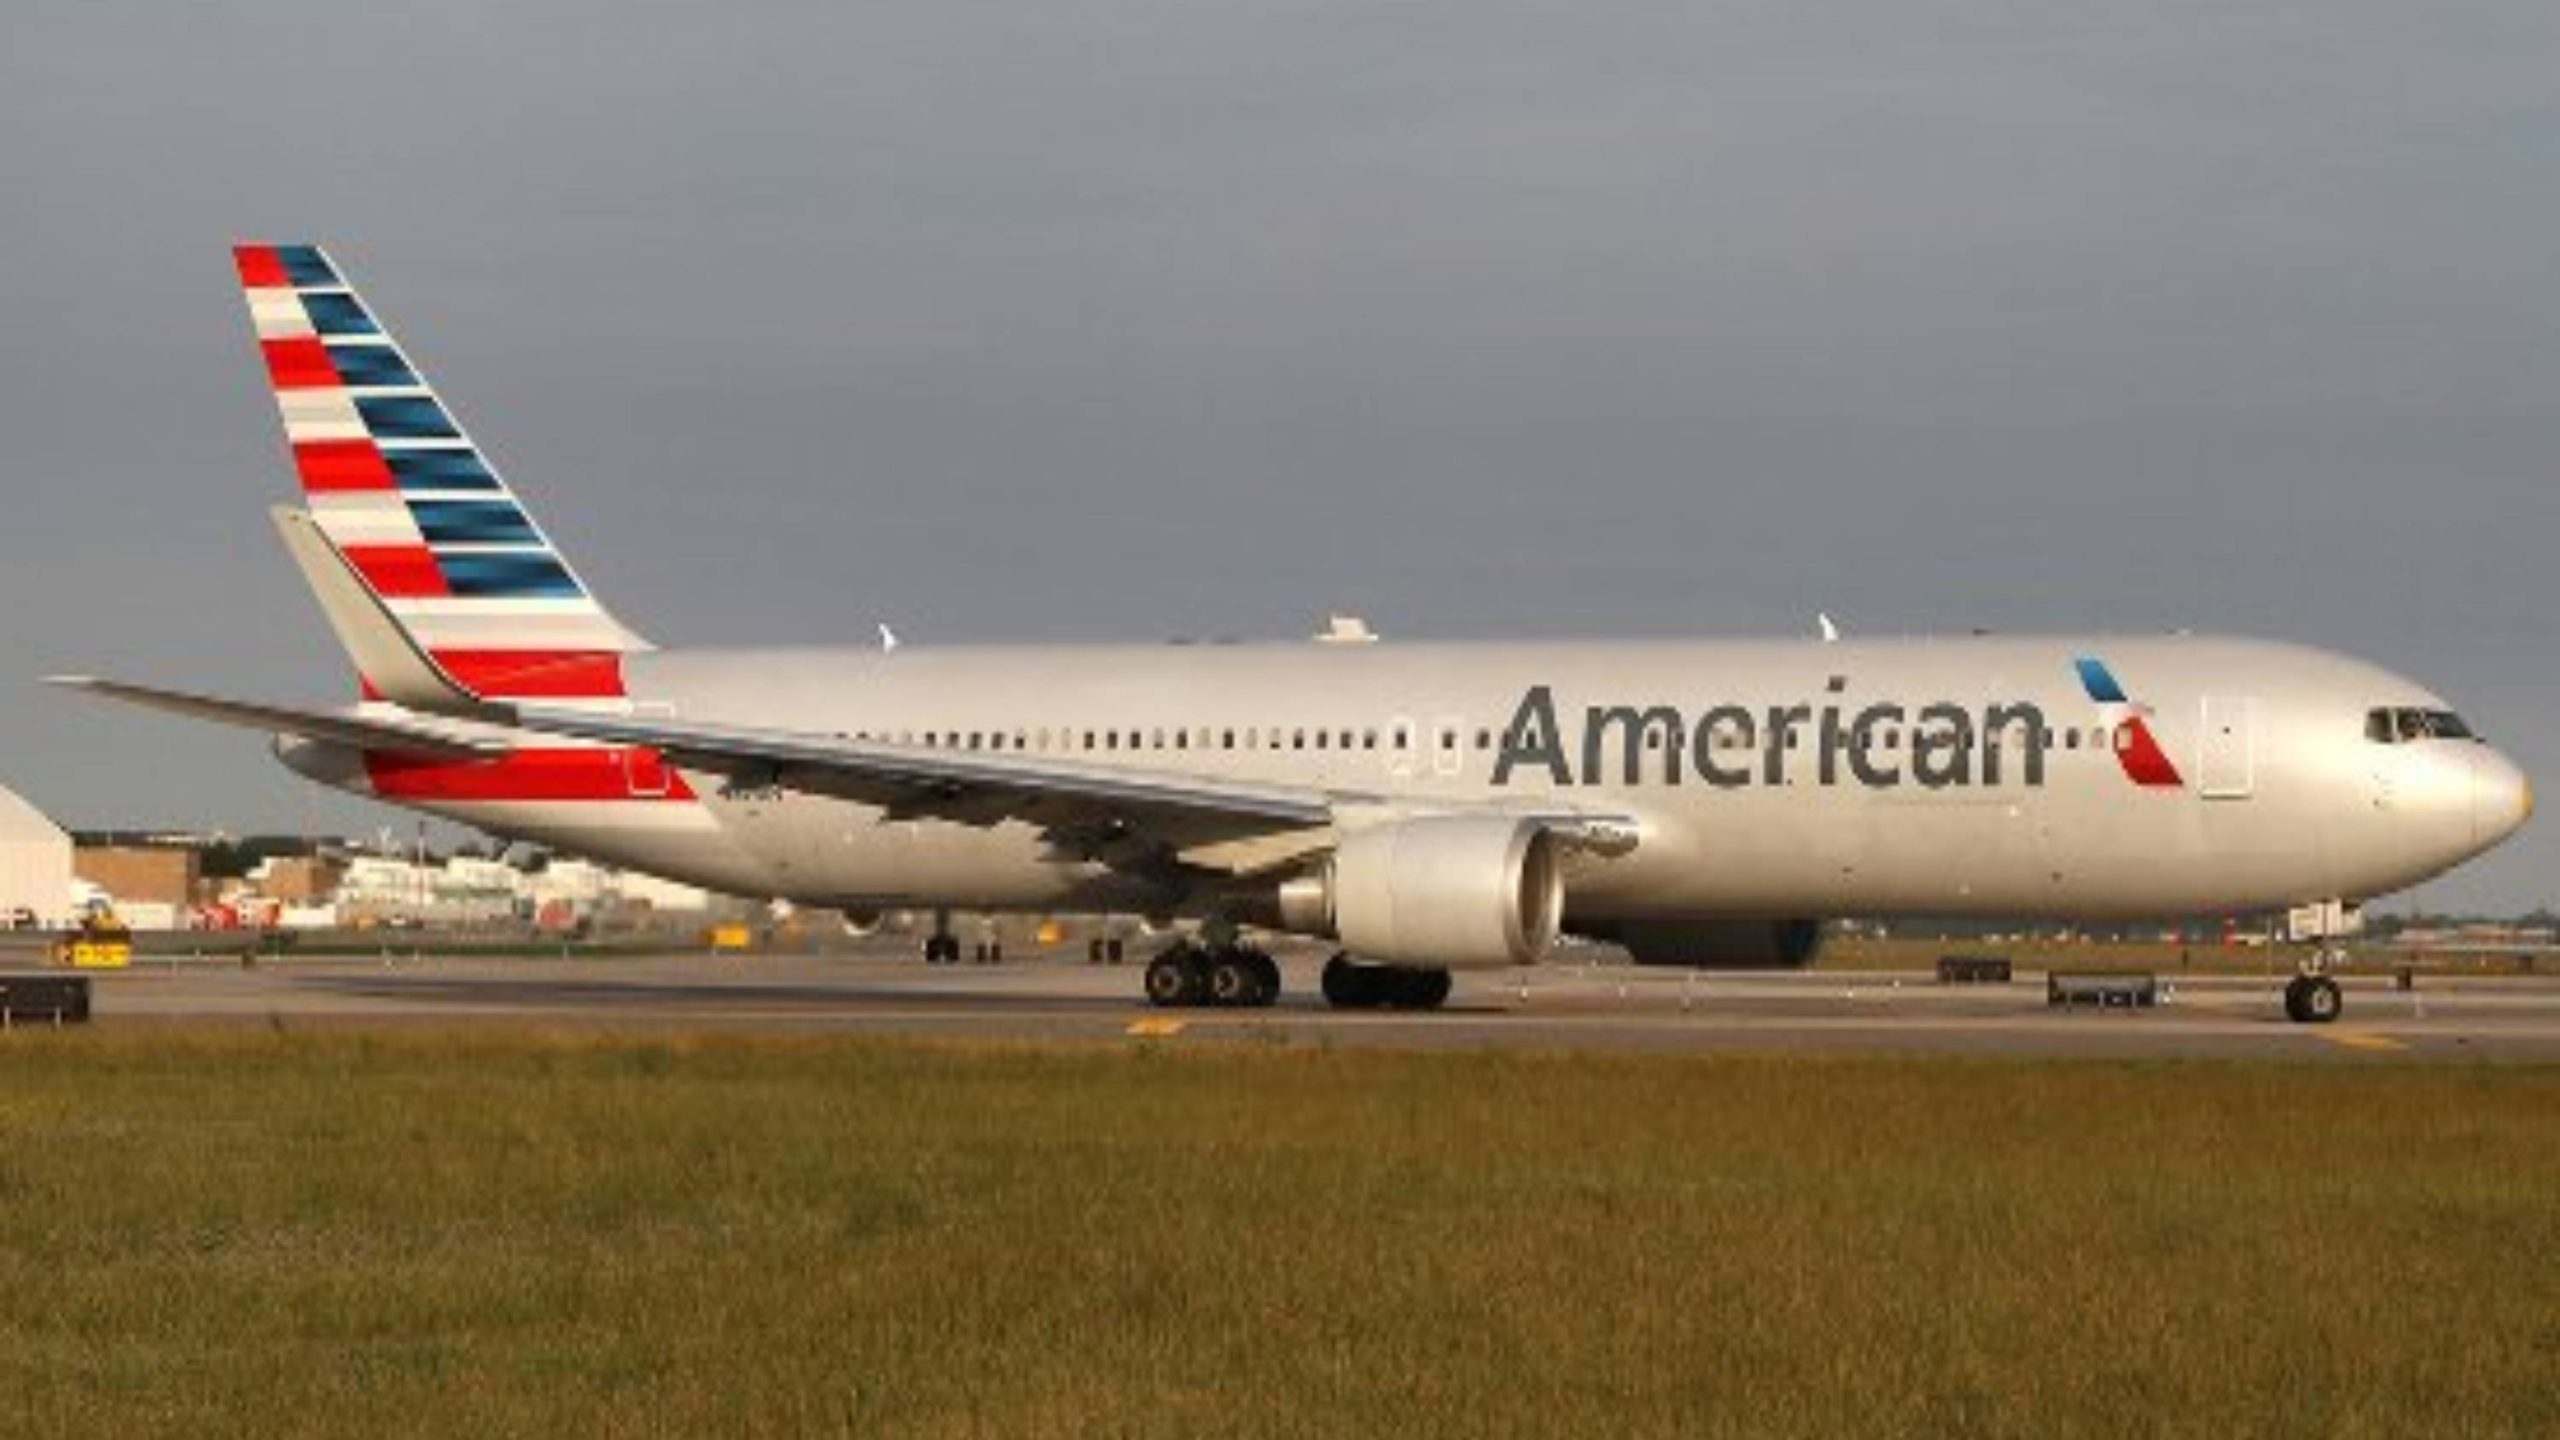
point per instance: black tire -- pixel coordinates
(1111, 951)
(2313, 1000)
(1351, 986)
(1233, 984)
(1174, 980)
(1421, 989)
(1266, 977)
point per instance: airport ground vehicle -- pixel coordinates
(99, 942)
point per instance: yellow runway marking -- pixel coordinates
(2361, 1039)
(1156, 1028)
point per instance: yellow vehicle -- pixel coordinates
(101, 943)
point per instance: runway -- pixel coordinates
(1598, 1007)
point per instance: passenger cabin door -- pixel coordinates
(2227, 765)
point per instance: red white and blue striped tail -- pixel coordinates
(413, 505)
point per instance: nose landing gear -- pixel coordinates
(2311, 997)
(2313, 1000)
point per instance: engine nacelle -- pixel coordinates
(1715, 944)
(1447, 893)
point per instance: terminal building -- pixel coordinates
(35, 867)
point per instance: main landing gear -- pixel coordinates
(2312, 998)
(1349, 985)
(1228, 976)
(943, 948)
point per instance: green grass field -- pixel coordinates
(514, 1233)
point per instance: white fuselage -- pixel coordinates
(1767, 778)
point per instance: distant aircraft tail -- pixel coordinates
(417, 516)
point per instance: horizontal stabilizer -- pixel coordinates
(400, 735)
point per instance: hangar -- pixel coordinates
(35, 866)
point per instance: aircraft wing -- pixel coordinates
(1106, 810)
(400, 734)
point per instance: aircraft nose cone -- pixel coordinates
(2501, 797)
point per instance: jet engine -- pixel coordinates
(1444, 892)
(1714, 944)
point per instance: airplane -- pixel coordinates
(1425, 807)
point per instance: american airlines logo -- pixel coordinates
(1882, 745)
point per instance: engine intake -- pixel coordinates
(1446, 892)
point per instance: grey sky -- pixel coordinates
(1132, 319)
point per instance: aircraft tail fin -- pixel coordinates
(473, 591)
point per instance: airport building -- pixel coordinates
(156, 875)
(35, 866)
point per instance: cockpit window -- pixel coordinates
(2400, 725)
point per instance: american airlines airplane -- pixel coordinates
(1427, 807)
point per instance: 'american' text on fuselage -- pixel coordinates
(1950, 745)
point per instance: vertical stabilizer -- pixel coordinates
(412, 506)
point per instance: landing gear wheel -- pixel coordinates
(1350, 985)
(1111, 951)
(1233, 981)
(1266, 977)
(2313, 1000)
(1093, 952)
(941, 950)
(1345, 984)
(1421, 989)
(1175, 978)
